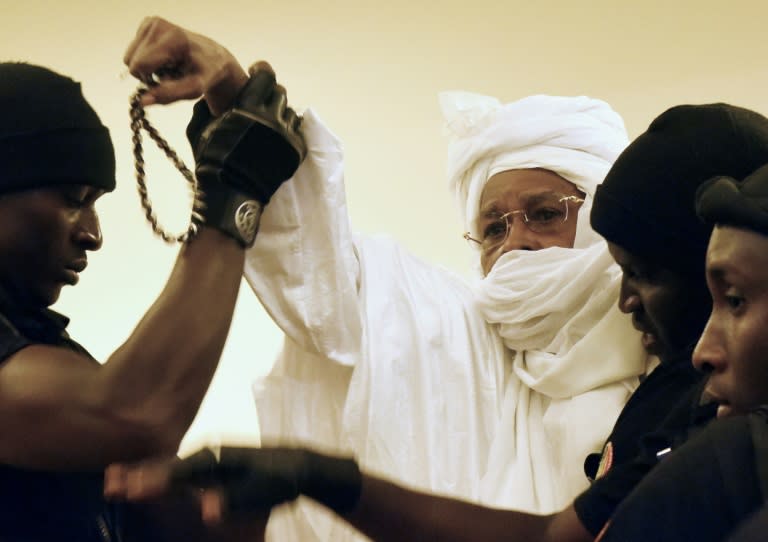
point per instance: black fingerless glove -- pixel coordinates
(257, 479)
(243, 156)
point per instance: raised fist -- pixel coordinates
(254, 146)
(243, 156)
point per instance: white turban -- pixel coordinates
(576, 137)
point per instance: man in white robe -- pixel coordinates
(493, 391)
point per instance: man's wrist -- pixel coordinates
(232, 212)
(335, 482)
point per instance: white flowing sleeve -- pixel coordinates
(303, 266)
(304, 269)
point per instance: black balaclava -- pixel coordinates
(646, 203)
(49, 134)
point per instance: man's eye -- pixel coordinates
(75, 197)
(734, 301)
(545, 214)
(637, 275)
(494, 230)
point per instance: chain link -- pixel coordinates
(139, 122)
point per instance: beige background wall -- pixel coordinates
(372, 70)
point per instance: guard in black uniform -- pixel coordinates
(719, 478)
(64, 416)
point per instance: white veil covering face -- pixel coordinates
(493, 393)
(555, 308)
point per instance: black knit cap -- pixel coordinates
(49, 134)
(724, 200)
(646, 203)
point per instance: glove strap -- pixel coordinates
(232, 212)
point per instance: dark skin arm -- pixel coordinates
(205, 68)
(384, 511)
(142, 400)
(388, 512)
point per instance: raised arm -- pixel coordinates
(59, 409)
(304, 266)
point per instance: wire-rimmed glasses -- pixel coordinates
(545, 213)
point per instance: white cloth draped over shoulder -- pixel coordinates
(427, 379)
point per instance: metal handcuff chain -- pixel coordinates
(139, 122)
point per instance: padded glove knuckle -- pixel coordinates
(253, 147)
(243, 156)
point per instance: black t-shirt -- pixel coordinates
(656, 417)
(45, 506)
(701, 491)
(754, 529)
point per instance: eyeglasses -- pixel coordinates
(542, 213)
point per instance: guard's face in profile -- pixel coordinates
(45, 234)
(668, 308)
(734, 345)
(525, 209)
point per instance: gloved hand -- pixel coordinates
(246, 153)
(257, 479)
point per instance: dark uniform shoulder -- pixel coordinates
(664, 402)
(661, 412)
(11, 338)
(701, 491)
(23, 326)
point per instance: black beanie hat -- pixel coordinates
(724, 200)
(49, 134)
(646, 203)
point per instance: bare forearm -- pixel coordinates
(164, 368)
(251, 481)
(388, 512)
(242, 157)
